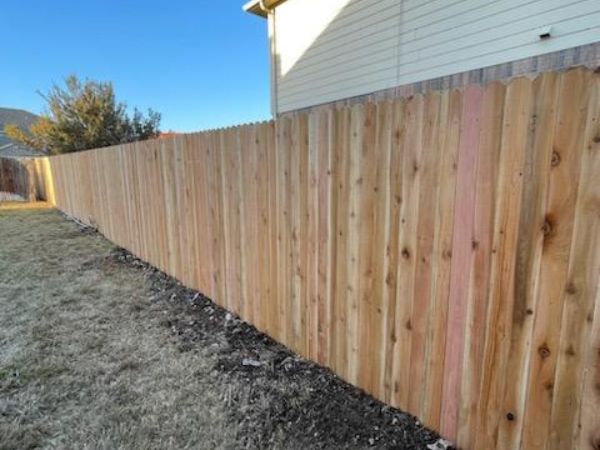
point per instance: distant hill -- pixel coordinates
(23, 119)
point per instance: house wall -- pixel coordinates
(581, 56)
(327, 51)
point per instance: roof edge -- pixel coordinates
(255, 7)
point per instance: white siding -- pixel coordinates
(328, 50)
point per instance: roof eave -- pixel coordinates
(255, 7)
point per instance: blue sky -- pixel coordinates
(200, 63)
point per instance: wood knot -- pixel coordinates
(555, 161)
(571, 289)
(447, 254)
(544, 351)
(570, 351)
(547, 226)
(529, 311)
(596, 139)
(510, 417)
(405, 253)
(408, 325)
(475, 245)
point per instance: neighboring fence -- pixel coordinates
(441, 252)
(24, 177)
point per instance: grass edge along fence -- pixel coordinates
(441, 252)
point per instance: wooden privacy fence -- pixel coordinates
(24, 176)
(441, 252)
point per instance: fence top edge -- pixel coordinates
(329, 108)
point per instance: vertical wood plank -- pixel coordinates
(303, 234)
(283, 227)
(326, 235)
(183, 212)
(462, 253)
(352, 297)
(428, 168)
(450, 119)
(339, 350)
(262, 183)
(538, 160)
(558, 230)
(382, 192)
(312, 245)
(273, 325)
(490, 140)
(370, 236)
(504, 244)
(216, 217)
(582, 276)
(392, 250)
(297, 208)
(411, 161)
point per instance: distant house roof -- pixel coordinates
(15, 150)
(23, 120)
(259, 7)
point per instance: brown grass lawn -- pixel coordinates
(100, 351)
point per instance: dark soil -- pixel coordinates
(284, 395)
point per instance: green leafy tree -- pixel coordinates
(83, 116)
